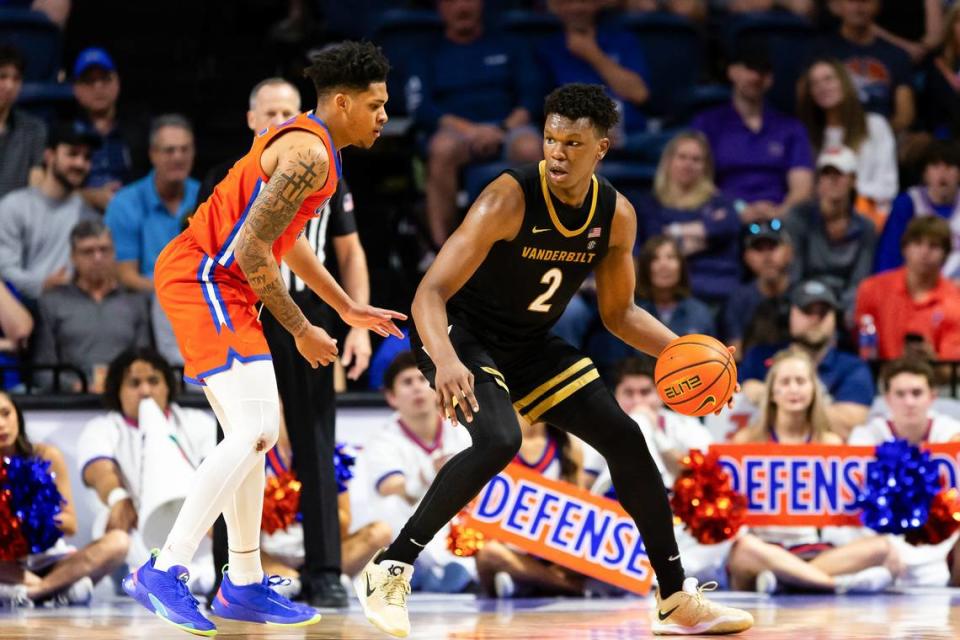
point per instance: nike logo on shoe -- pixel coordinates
(370, 591)
(663, 616)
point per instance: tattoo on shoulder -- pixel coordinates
(270, 215)
(281, 198)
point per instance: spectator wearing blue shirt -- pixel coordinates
(144, 216)
(687, 206)
(813, 327)
(598, 54)
(880, 70)
(473, 93)
(763, 159)
(938, 195)
(121, 155)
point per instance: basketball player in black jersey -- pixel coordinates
(483, 313)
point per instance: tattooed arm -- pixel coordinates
(300, 169)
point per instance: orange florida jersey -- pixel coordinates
(216, 224)
(199, 284)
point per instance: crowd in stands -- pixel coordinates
(805, 210)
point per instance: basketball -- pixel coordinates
(695, 375)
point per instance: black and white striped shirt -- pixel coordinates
(337, 220)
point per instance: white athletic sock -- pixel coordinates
(243, 514)
(245, 567)
(249, 408)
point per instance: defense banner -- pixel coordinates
(813, 485)
(564, 524)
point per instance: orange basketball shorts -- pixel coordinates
(213, 319)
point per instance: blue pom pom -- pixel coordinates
(342, 461)
(899, 488)
(35, 500)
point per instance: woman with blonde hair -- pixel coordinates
(793, 409)
(828, 106)
(687, 206)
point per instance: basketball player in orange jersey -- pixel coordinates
(483, 314)
(208, 280)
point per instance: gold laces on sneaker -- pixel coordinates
(395, 590)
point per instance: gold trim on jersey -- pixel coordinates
(566, 233)
(552, 382)
(560, 395)
(497, 377)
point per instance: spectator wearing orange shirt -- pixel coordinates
(915, 302)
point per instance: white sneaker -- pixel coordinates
(872, 580)
(382, 590)
(503, 585)
(78, 594)
(14, 596)
(689, 612)
(766, 582)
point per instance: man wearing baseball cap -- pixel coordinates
(757, 311)
(122, 154)
(833, 243)
(35, 222)
(762, 157)
(813, 328)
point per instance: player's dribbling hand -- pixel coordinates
(454, 383)
(380, 321)
(316, 346)
(736, 389)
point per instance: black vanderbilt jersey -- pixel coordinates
(523, 285)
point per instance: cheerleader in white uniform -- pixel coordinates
(793, 412)
(909, 393)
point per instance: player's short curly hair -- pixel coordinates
(347, 65)
(578, 100)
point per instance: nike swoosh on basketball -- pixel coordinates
(370, 591)
(536, 230)
(706, 401)
(663, 616)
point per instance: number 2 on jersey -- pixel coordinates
(552, 278)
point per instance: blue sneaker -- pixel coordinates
(260, 603)
(166, 594)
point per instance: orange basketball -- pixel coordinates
(695, 375)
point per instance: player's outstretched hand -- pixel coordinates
(380, 321)
(736, 389)
(454, 384)
(317, 346)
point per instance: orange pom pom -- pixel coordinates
(281, 501)
(463, 541)
(705, 501)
